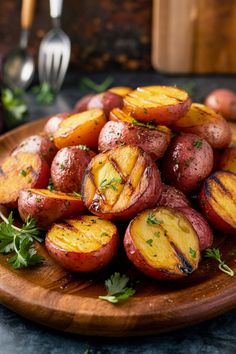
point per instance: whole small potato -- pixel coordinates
(82, 104)
(68, 168)
(187, 162)
(200, 225)
(222, 101)
(171, 197)
(39, 144)
(106, 101)
(228, 160)
(53, 123)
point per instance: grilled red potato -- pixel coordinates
(200, 225)
(106, 101)
(39, 144)
(228, 160)
(171, 197)
(204, 122)
(47, 206)
(126, 130)
(68, 168)
(187, 162)
(222, 101)
(121, 90)
(218, 201)
(85, 244)
(162, 244)
(23, 170)
(82, 104)
(53, 123)
(121, 182)
(158, 104)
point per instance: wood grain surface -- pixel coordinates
(69, 302)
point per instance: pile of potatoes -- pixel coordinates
(136, 156)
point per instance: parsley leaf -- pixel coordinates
(192, 252)
(105, 184)
(19, 241)
(117, 289)
(86, 84)
(77, 194)
(197, 144)
(44, 93)
(152, 220)
(215, 254)
(14, 106)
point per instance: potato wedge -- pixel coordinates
(39, 144)
(80, 129)
(53, 123)
(23, 170)
(121, 90)
(200, 225)
(228, 160)
(159, 104)
(217, 200)
(120, 183)
(187, 162)
(204, 122)
(85, 244)
(171, 197)
(162, 244)
(68, 168)
(47, 206)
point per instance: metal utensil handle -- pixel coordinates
(27, 13)
(56, 8)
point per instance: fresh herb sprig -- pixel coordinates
(152, 220)
(215, 254)
(19, 242)
(14, 106)
(44, 93)
(105, 184)
(117, 289)
(86, 84)
(148, 125)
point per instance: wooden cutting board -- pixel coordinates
(56, 298)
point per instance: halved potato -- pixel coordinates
(228, 160)
(85, 244)
(121, 90)
(218, 201)
(53, 123)
(23, 170)
(162, 244)
(207, 124)
(47, 206)
(159, 104)
(80, 129)
(121, 182)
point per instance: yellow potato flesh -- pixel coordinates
(199, 114)
(86, 234)
(158, 242)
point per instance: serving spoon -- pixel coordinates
(18, 65)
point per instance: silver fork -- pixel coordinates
(54, 51)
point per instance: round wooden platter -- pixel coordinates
(69, 302)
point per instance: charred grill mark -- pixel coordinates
(185, 267)
(220, 184)
(117, 168)
(175, 98)
(202, 112)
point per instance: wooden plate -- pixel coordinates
(54, 297)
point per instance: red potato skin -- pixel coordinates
(222, 101)
(215, 219)
(185, 166)
(228, 160)
(39, 144)
(171, 197)
(82, 104)
(106, 101)
(74, 161)
(146, 200)
(84, 262)
(140, 263)
(53, 123)
(118, 133)
(200, 225)
(46, 210)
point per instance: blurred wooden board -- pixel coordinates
(56, 298)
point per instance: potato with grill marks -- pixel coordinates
(120, 183)
(162, 244)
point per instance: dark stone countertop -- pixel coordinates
(18, 335)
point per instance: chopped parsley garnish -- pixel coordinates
(83, 147)
(105, 184)
(104, 234)
(215, 254)
(117, 289)
(192, 252)
(77, 194)
(152, 220)
(197, 144)
(62, 166)
(23, 173)
(157, 234)
(149, 242)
